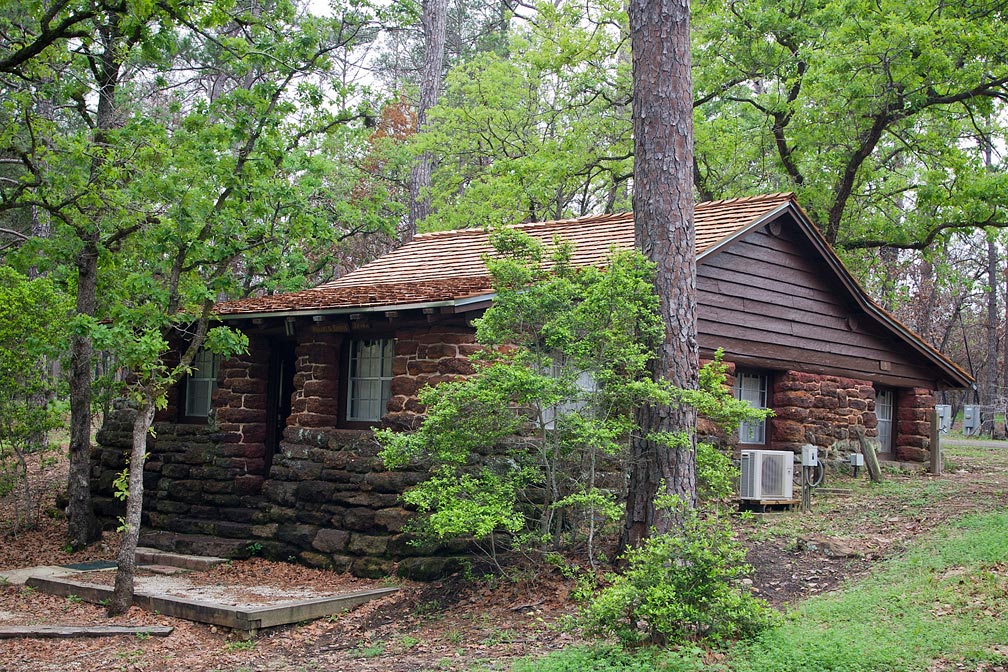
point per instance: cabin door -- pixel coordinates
(279, 389)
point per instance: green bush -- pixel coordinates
(680, 587)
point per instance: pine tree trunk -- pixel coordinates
(663, 211)
(122, 595)
(434, 20)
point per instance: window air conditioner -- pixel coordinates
(767, 474)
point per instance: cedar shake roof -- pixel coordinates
(447, 266)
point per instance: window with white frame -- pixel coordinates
(369, 384)
(752, 387)
(585, 385)
(884, 404)
(201, 383)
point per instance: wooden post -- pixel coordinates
(936, 456)
(870, 456)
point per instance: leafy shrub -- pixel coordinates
(678, 587)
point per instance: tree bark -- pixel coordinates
(663, 213)
(122, 594)
(434, 19)
(82, 526)
(991, 374)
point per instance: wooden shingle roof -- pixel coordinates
(448, 265)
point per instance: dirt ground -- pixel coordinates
(460, 624)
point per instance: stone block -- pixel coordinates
(300, 536)
(371, 568)
(393, 481)
(310, 420)
(248, 484)
(405, 386)
(456, 366)
(797, 399)
(912, 454)
(266, 531)
(826, 402)
(787, 430)
(329, 540)
(320, 388)
(359, 519)
(317, 560)
(392, 519)
(328, 406)
(315, 491)
(428, 569)
(239, 415)
(366, 544)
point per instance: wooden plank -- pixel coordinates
(246, 619)
(307, 610)
(766, 356)
(80, 631)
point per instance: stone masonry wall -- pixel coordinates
(426, 357)
(327, 501)
(820, 410)
(912, 424)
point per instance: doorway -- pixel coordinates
(279, 389)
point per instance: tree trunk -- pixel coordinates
(82, 526)
(663, 213)
(991, 374)
(434, 18)
(122, 595)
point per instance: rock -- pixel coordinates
(829, 547)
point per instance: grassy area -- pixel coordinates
(943, 600)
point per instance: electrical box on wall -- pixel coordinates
(944, 412)
(810, 456)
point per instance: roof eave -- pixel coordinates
(459, 305)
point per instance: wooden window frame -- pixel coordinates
(384, 381)
(891, 420)
(766, 379)
(193, 378)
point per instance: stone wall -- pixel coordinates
(912, 424)
(327, 501)
(324, 498)
(820, 410)
(423, 357)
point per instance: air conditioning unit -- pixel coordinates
(767, 474)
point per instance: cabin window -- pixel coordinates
(585, 384)
(752, 387)
(369, 385)
(884, 406)
(201, 383)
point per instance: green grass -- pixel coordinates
(943, 599)
(606, 658)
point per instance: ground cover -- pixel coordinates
(497, 623)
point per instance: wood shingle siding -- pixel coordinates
(768, 302)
